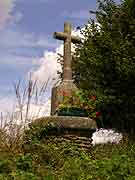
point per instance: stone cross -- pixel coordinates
(68, 39)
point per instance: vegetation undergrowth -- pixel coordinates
(106, 61)
(40, 159)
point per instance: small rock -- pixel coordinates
(103, 136)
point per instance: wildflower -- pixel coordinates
(98, 114)
(93, 97)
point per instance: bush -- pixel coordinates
(104, 64)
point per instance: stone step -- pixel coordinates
(81, 142)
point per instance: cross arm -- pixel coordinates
(63, 36)
(76, 39)
(60, 35)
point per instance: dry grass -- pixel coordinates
(12, 125)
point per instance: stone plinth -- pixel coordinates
(69, 125)
(75, 130)
(65, 89)
(68, 122)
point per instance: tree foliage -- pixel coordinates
(104, 64)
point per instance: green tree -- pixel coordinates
(104, 64)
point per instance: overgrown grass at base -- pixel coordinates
(36, 159)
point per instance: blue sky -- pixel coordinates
(26, 33)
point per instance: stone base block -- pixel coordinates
(81, 126)
(65, 89)
(67, 129)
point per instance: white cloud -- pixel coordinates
(6, 7)
(48, 66)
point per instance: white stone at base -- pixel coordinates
(104, 136)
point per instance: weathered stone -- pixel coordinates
(66, 88)
(68, 122)
(68, 39)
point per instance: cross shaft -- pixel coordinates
(68, 39)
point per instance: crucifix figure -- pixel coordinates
(68, 39)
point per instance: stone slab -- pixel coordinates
(67, 122)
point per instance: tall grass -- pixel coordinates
(13, 124)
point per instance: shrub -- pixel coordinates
(104, 64)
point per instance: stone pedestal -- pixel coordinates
(66, 89)
(67, 122)
(74, 130)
